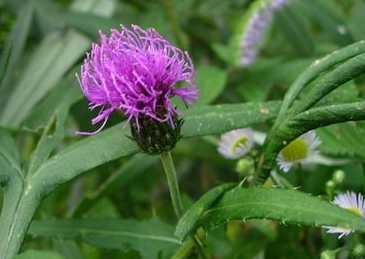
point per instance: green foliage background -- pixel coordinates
(106, 200)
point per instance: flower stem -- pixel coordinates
(171, 176)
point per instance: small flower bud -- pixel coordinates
(338, 176)
(244, 166)
(328, 254)
(359, 250)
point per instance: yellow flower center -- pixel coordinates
(355, 210)
(241, 141)
(296, 150)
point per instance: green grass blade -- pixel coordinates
(13, 49)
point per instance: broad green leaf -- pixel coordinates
(13, 49)
(151, 238)
(113, 143)
(211, 82)
(194, 213)
(283, 205)
(345, 139)
(34, 254)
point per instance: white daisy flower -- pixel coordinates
(298, 150)
(236, 143)
(349, 201)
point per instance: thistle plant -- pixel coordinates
(102, 190)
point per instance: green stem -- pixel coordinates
(168, 165)
(193, 241)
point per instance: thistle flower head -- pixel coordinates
(349, 201)
(136, 71)
(236, 143)
(298, 150)
(258, 18)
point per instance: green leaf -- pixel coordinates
(13, 49)
(151, 238)
(345, 139)
(63, 96)
(317, 67)
(68, 248)
(132, 169)
(211, 82)
(84, 155)
(52, 112)
(113, 143)
(194, 213)
(53, 16)
(9, 158)
(296, 30)
(209, 120)
(284, 205)
(328, 19)
(56, 54)
(327, 83)
(34, 254)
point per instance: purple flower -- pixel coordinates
(255, 28)
(136, 71)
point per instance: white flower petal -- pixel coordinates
(230, 147)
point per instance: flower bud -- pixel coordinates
(154, 137)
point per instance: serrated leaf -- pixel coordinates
(190, 218)
(211, 83)
(34, 254)
(151, 238)
(345, 139)
(283, 205)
